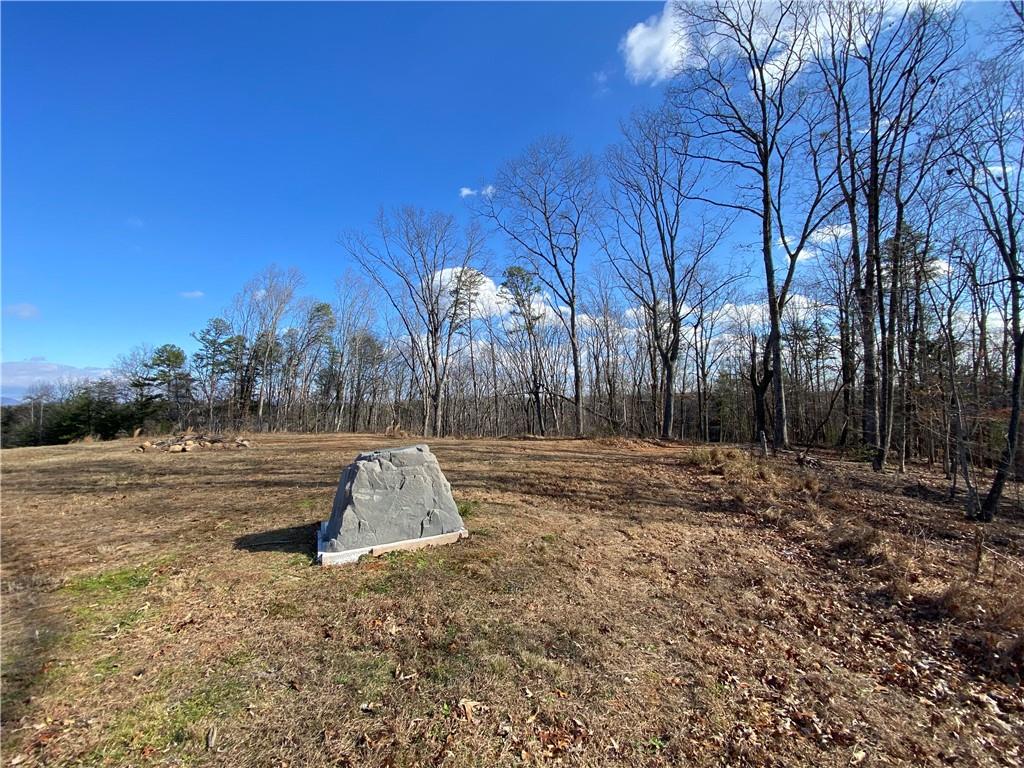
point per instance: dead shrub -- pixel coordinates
(995, 607)
(774, 516)
(854, 540)
(1013, 655)
(959, 600)
(810, 486)
(739, 499)
(700, 458)
(899, 571)
(1011, 615)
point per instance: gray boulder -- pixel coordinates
(393, 498)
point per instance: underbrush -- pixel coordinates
(947, 578)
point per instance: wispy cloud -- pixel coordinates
(22, 311)
(654, 50)
(600, 79)
(486, 191)
(830, 233)
(191, 294)
(134, 222)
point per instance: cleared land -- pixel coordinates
(618, 602)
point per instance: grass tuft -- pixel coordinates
(468, 508)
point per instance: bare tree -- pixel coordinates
(741, 94)
(713, 290)
(882, 66)
(256, 316)
(986, 161)
(423, 263)
(545, 203)
(656, 259)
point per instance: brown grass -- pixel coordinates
(618, 603)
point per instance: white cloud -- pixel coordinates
(829, 233)
(134, 222)
(821, 238)
(600, 79)
(787, 244)
(995, 172)
(939, 267)
(22, 311)
(191, 294)
(486, 191)
(489, 298)
(742, 315)
(654, 50)
(17, 378)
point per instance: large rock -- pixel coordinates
(394, 498)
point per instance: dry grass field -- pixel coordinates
(618, 603)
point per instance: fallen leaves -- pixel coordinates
(467, 707)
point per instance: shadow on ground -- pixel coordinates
(300, 539)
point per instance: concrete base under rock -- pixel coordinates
(389, 499)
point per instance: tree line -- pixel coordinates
(865, 154)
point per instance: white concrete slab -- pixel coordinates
(353, 555)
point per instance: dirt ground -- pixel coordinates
(619, 602)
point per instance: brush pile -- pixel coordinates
(192, 442)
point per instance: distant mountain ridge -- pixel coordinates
(18, 377)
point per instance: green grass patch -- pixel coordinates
(301, 560)
(654, 744)
(239, 658)
(283, 609)
(156, 725)
(107, 666)
(468, 508)
(379, 586)
(365, 672)
(111, 584)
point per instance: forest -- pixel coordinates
(814, 241)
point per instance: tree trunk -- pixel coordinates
(577, 372)
(1009, 457)
(667, 401)
(780, 435)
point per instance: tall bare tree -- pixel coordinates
(740, 93)
(654, 249)
(882, 65)
(987, 163)
(545, 202)
(423, 264)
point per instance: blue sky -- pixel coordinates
(155, 152)
(157, 155)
